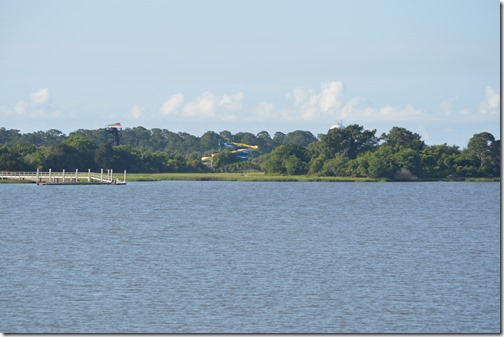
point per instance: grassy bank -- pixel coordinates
(15, 181)
(252, 176)
(260, 176)
(249, 176)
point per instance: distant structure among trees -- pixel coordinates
(348, 150)
(114, 130)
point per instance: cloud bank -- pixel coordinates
(36, 105)
(325, 102)
(491, 103)
(206, 105)
(136, 111)
(309, 104)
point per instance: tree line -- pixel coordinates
(350, 151)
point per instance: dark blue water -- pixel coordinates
(204, 257)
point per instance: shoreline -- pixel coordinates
(260, 176)
(256, 176)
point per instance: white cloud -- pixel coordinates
(446, 106)
(21, 107)
(40, 97)
(493, 97)
(491, 102)
(170, 106)
(355, 110)
(351, 107)
(310, 104)
(328, 103)
(299, 95)
(264, 110)
(324, 103)
(232, 102)
(488, 106)
(36, 106)
(136, 111)
(205, 105)
(330, 96)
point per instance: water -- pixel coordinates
(233, 257)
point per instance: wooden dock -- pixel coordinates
(66, 178)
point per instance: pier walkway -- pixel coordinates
(66, 178)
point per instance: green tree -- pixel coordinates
(9, 137)
(138, 137)
(104, 156)
(83, 154)
(437, 161)
(125, 157)
(349, 141)
(294, 165)
(224, 158)
(246, 138)
(29, 154)
(287, 159)
(480, 146)
(298, 137)
(466, 165)
(60, 157)
(264, 142)
(408, 163)
(175, 143)
(495, 159)
(278, 138)
(10, 160)
(402, 138)
(190, 143)
(158, 140)
(154, 162)
(226, 135)
(98, 136)
(378, 163)
(210, 141)
(336, 166)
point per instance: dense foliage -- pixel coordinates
(351, 151)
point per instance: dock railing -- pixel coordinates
(50, 177)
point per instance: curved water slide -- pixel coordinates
(255, 147)
(206, 158)
(241, 150)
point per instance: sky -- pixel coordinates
(430, 66)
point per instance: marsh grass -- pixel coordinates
(252, 176)
(249, 176)
(260, 176)
(16, 181)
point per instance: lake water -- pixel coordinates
(259, 257)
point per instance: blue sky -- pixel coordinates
(431, 66)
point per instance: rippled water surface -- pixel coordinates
(250, 257)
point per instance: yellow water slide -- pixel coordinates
(210, 158)
(245, 145)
